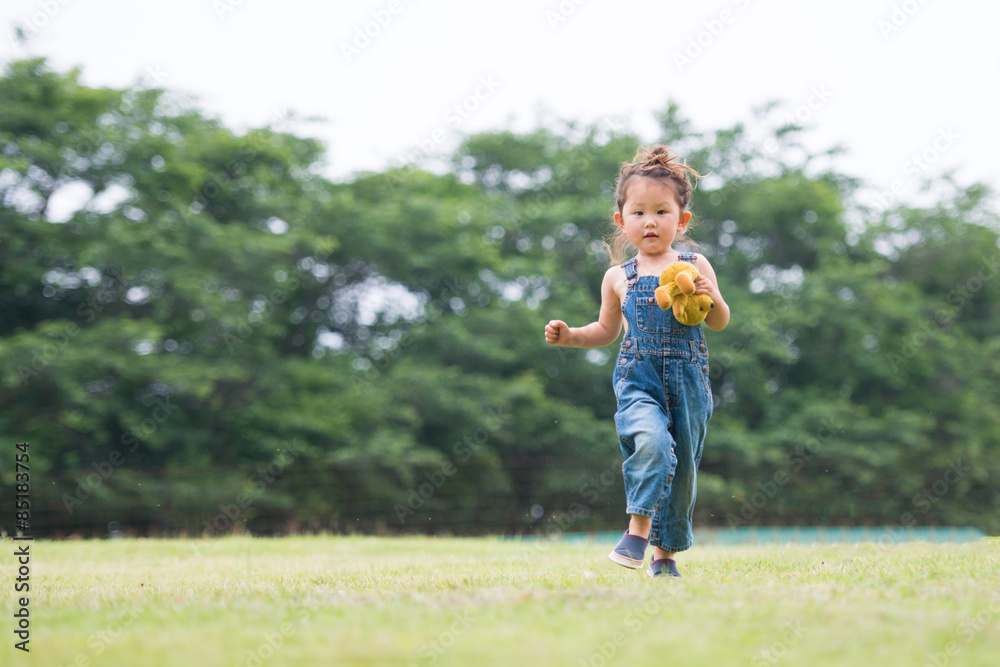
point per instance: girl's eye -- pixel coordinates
(661, 212)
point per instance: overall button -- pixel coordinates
(628, 343)
(702, 347)
(704, 368)
(623, 361)
(650, 300)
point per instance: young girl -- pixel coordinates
(661, 374)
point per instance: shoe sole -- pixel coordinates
(625, 561)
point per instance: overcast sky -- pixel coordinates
(889, 80)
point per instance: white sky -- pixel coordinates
(889, 95)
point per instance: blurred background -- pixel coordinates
(286, 269)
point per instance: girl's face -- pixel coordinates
(651, 216)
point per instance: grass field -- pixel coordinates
(453, 601)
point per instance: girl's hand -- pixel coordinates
(557, 333)
(705, 286)
(718, 317)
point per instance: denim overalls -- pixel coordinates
(664, 404)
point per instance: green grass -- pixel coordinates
(453, 601)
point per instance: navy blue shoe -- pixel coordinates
(664, 567)
(630, 552)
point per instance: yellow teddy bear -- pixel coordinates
(676, 290)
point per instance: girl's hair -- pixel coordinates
(659, 162)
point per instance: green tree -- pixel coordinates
(215, 338)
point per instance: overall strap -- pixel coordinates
(687, 257)
(631, 269)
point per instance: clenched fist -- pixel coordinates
(557, 333)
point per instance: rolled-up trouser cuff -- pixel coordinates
(669, 548)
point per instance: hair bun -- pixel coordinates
(657, 161)
(656, 157)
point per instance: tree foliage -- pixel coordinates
(200, 334)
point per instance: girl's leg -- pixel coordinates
(640, 525)
(672, 531)
(646, 443)
(659, 553)
(643, 425)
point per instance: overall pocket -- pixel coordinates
(650, 318)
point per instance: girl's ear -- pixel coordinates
(620, 221)
(685, 219)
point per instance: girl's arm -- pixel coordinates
(718, 317)
(596, 334)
